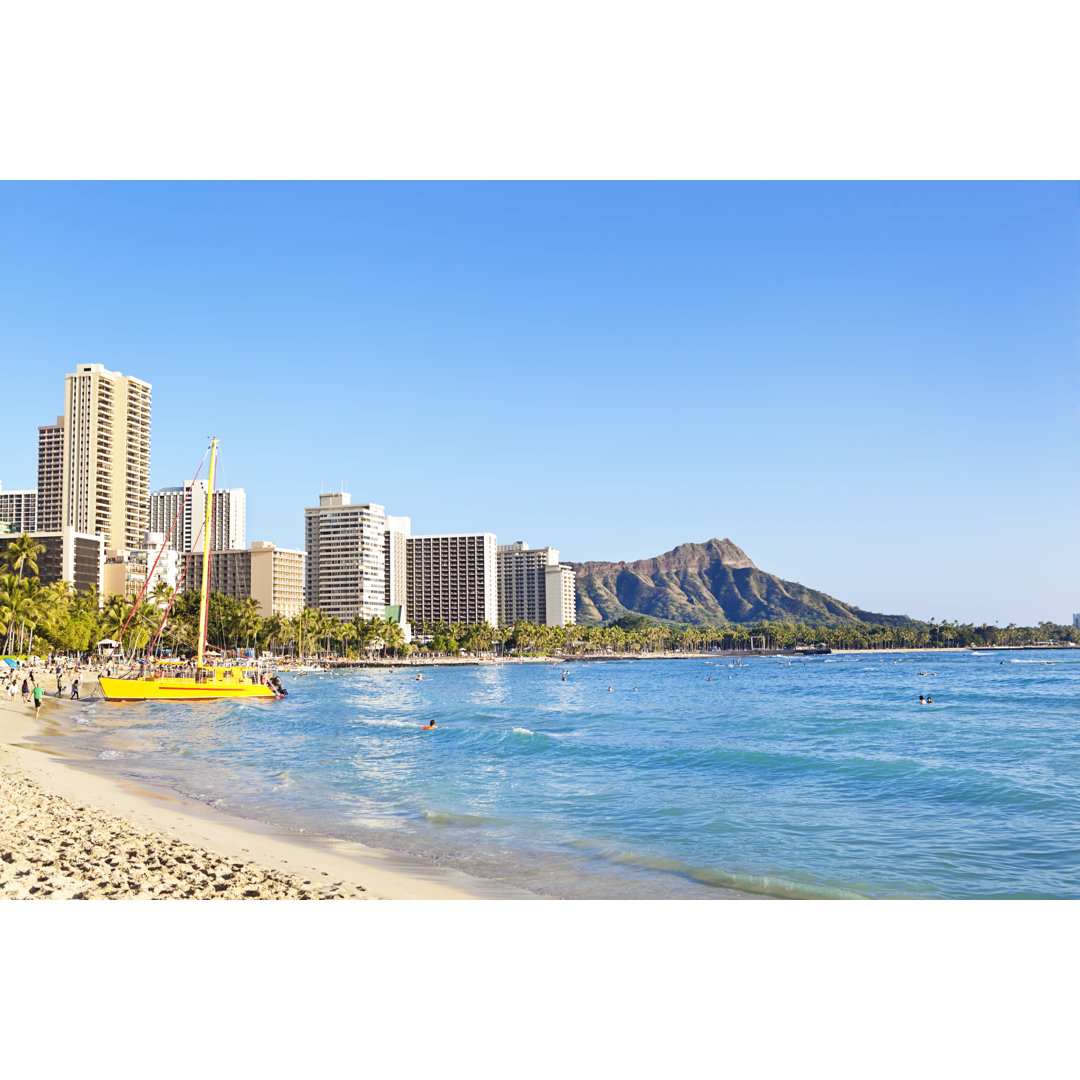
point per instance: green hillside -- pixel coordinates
(706, 584)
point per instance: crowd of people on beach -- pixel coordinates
(28, 679)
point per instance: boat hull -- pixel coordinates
(171, 688)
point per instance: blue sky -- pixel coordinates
(871, 388)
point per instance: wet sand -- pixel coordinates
(68, 833)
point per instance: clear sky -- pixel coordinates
(871, 388)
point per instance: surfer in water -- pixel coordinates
(429, 727)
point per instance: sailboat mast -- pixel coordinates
(204, 607)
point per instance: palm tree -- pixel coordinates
(114, 616)
(274, 628)
(23, 554)
(393, 637)
(377, 629)
(15, 607)
(357, 631)
(250, 619)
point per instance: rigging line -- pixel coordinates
(187, 491)
(209, 571)
(176, 592)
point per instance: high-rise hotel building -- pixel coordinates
(19, 508)
(271, 576)
(452, 579)
(50, 475)
(105, 455)
(395, 562)
(345, 575)
(228, 511)
(534, 587)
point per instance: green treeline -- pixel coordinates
(41, 619)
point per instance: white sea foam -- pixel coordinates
(386, 722)
(541, 734)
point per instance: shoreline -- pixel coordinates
(592, 658)
(70, 833)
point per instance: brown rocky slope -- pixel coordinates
(706, 584)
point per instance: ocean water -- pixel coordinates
(696, 778)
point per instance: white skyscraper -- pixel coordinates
(229, 512)
(345, 574)
(19, 508)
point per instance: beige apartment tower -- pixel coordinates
(560, 588)
(271, 576)
(535, 587)
(106, 455)
(395, 561)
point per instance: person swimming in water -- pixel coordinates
(428, 727)
(922, 700)
(929, 700)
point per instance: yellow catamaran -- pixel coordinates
(201, 680)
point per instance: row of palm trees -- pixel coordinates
(44, 618)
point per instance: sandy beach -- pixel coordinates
(67, 833)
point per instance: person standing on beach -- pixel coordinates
(38, 695)
(26, 691)
(75, 689)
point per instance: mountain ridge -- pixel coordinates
(711, 583)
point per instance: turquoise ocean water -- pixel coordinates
(822, 778)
